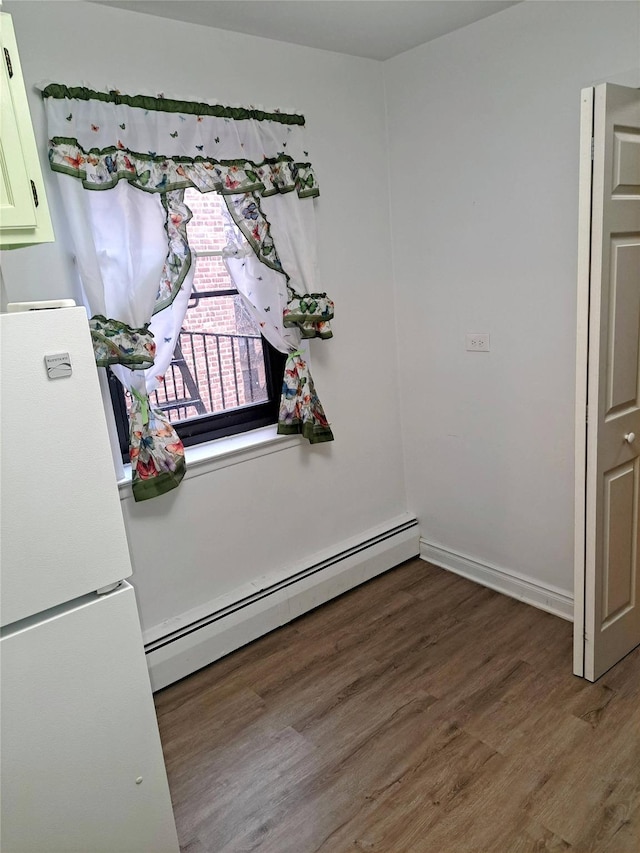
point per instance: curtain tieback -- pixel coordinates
(311, 313)
(143, 400)
(115, 342)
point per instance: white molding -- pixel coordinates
(514, 584)
(223, 452)
(212, 455)
(196, 638)
(582, 361)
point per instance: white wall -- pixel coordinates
(223, 529)
(483, 131)
(482, 135)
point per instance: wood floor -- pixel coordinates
(419, 712)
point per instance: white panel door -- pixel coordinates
(611, 514)
(82, 765)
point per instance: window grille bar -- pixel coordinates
(249, 369)
(197, 295)
(194, 371)
(235, 370)
(206, 361)
(224, 402)
(180, 391)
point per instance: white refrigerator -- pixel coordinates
(81, 766)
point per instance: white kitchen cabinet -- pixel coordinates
(24, 213)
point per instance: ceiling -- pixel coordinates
(376, 29)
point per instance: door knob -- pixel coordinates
(630, 437)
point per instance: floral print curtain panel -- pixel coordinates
(133, 255)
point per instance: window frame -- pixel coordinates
(203, 428)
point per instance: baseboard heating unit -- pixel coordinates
(194, 639)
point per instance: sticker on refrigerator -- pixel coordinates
(58, 365)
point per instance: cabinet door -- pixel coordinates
(17, 207)
(24, 215)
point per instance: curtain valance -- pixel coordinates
(140, 153)
(101, 169)
(161, 137)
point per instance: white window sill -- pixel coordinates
(223, 452)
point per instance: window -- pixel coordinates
(225, 378)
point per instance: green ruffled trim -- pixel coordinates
(295, 317)
(173, 260)
(144, 490)
(122, 327)
(265, 249)
(303, 179)
(309, 334)
(314, 433)
(168, 105)
(180, 158)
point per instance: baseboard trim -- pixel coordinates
(200, 637)
(544, 597)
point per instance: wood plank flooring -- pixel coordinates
(419, 713)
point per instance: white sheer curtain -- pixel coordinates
(120, 241)
(269, 294)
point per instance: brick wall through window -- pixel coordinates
(222, 365)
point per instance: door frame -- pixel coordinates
(587, 101)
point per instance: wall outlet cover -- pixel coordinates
(477, 342)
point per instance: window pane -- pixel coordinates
(205, 231)
(219, 363)
(211, 274)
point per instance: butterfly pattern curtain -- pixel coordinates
(123, 164)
